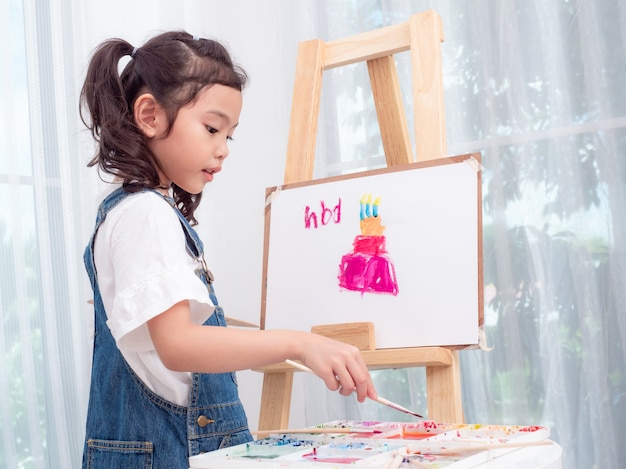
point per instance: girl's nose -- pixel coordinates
(222, 151)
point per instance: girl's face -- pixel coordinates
(194, 150)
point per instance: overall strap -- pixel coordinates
(194, 245)
(109, 202)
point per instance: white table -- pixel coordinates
(537, 457)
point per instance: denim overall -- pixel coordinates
(128, 425)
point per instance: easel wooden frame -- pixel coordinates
(422, 36)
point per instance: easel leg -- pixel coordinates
(444, 392)
(276, 400)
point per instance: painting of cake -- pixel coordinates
(368, 268)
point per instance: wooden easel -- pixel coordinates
(422, 36)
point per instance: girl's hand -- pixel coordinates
(340, 365)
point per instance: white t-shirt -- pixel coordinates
(143, 269)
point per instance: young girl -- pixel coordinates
(163, 379)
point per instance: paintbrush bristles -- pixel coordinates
(393, 405)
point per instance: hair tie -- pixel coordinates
(132, 54)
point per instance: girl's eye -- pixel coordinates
(213, 130)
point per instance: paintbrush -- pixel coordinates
(379, 399)
(476, 448)
(329, 430)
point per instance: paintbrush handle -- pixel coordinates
(299, 366)
(486, 447)
(329, 430)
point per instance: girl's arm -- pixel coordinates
(185, 346)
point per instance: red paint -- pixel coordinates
(424, 429)
(325, 216)
(368, 268)
(532, 428)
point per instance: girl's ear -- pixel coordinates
(149, 115)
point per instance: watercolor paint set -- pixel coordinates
(377, 445)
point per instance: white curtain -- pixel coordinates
(44, 370)
(535, 85)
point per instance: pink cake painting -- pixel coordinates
(368, 268)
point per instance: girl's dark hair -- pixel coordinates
(174, 67)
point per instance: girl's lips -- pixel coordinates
(208, 174)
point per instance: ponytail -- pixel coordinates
(122, 151)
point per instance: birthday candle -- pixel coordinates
(376, 203)
(368, 206)
(362, 212)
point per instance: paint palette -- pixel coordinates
(378, 445)
(270, 448)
